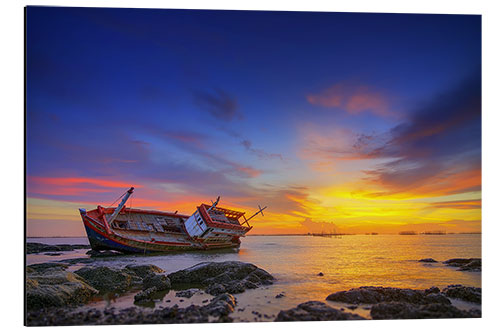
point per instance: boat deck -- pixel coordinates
(147, 222)
(148, 236)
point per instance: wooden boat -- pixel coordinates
(144, 231)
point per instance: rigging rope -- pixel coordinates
(121, 196)
(129, 209)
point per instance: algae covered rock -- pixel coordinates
(187, 293)
(220, 277)
(158, 281)
(39, 247)
(50, 285)
(400, 310)
(218, 310)
(427, 260)
(144, 270)
(315, 311)
(373, 295)
(145, 295)
(463, 264)
(107, 279)
(469, 294)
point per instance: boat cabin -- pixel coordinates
(215, 224)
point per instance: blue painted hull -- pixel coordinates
(98, 243)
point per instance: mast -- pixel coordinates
(214, 204)
(251, 217)
(120, 206)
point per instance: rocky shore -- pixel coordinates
(389, 303)
(463, 264)
(471, 264)
(58, 295)
(40, 248)
(53, 293)
(217, 310)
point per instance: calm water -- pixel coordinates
(347, 262)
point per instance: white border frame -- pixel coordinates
(12, 138)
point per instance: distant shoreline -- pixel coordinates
(253, 235)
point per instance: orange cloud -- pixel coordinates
(73, 186)
(353, 99)
(249, 171)
(458, 204)
(442, 183)
(70, 181)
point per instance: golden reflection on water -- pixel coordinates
(362, 260)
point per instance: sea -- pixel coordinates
(346, 262)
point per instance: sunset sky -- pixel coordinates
(353, 122)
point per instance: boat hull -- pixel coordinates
(100, 239)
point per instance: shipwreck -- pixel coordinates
(131, 230)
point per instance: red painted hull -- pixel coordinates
(140, 241)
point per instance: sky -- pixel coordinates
(343, 122)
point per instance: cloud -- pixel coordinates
(439, 148)
(425, 181)
(352, 98)
(80, 163)
(334, 143)
(72, 181)
(319, 227)
(457, 204)
(436, 151)
(219, 104)
(260, 153)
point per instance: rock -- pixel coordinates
(145, 295)
(220, 277)
(73, 261)
(459, 261)
(469, 294)
(221, 305)
(321, 274)
(39, 247)
(158, 281)
(280, 295)
(399, 310)
(45, 266)
(144, 270)
(471, 264)
(103, 253)
(373, 295)
(432, 290)
(107, 279)
(188, 293)
(315, 311)
(437, 298)
(217, 310)
(50, 285)
(427, 260)
(215, 289)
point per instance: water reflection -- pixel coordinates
(348, 262)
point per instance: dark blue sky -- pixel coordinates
(244, 101)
